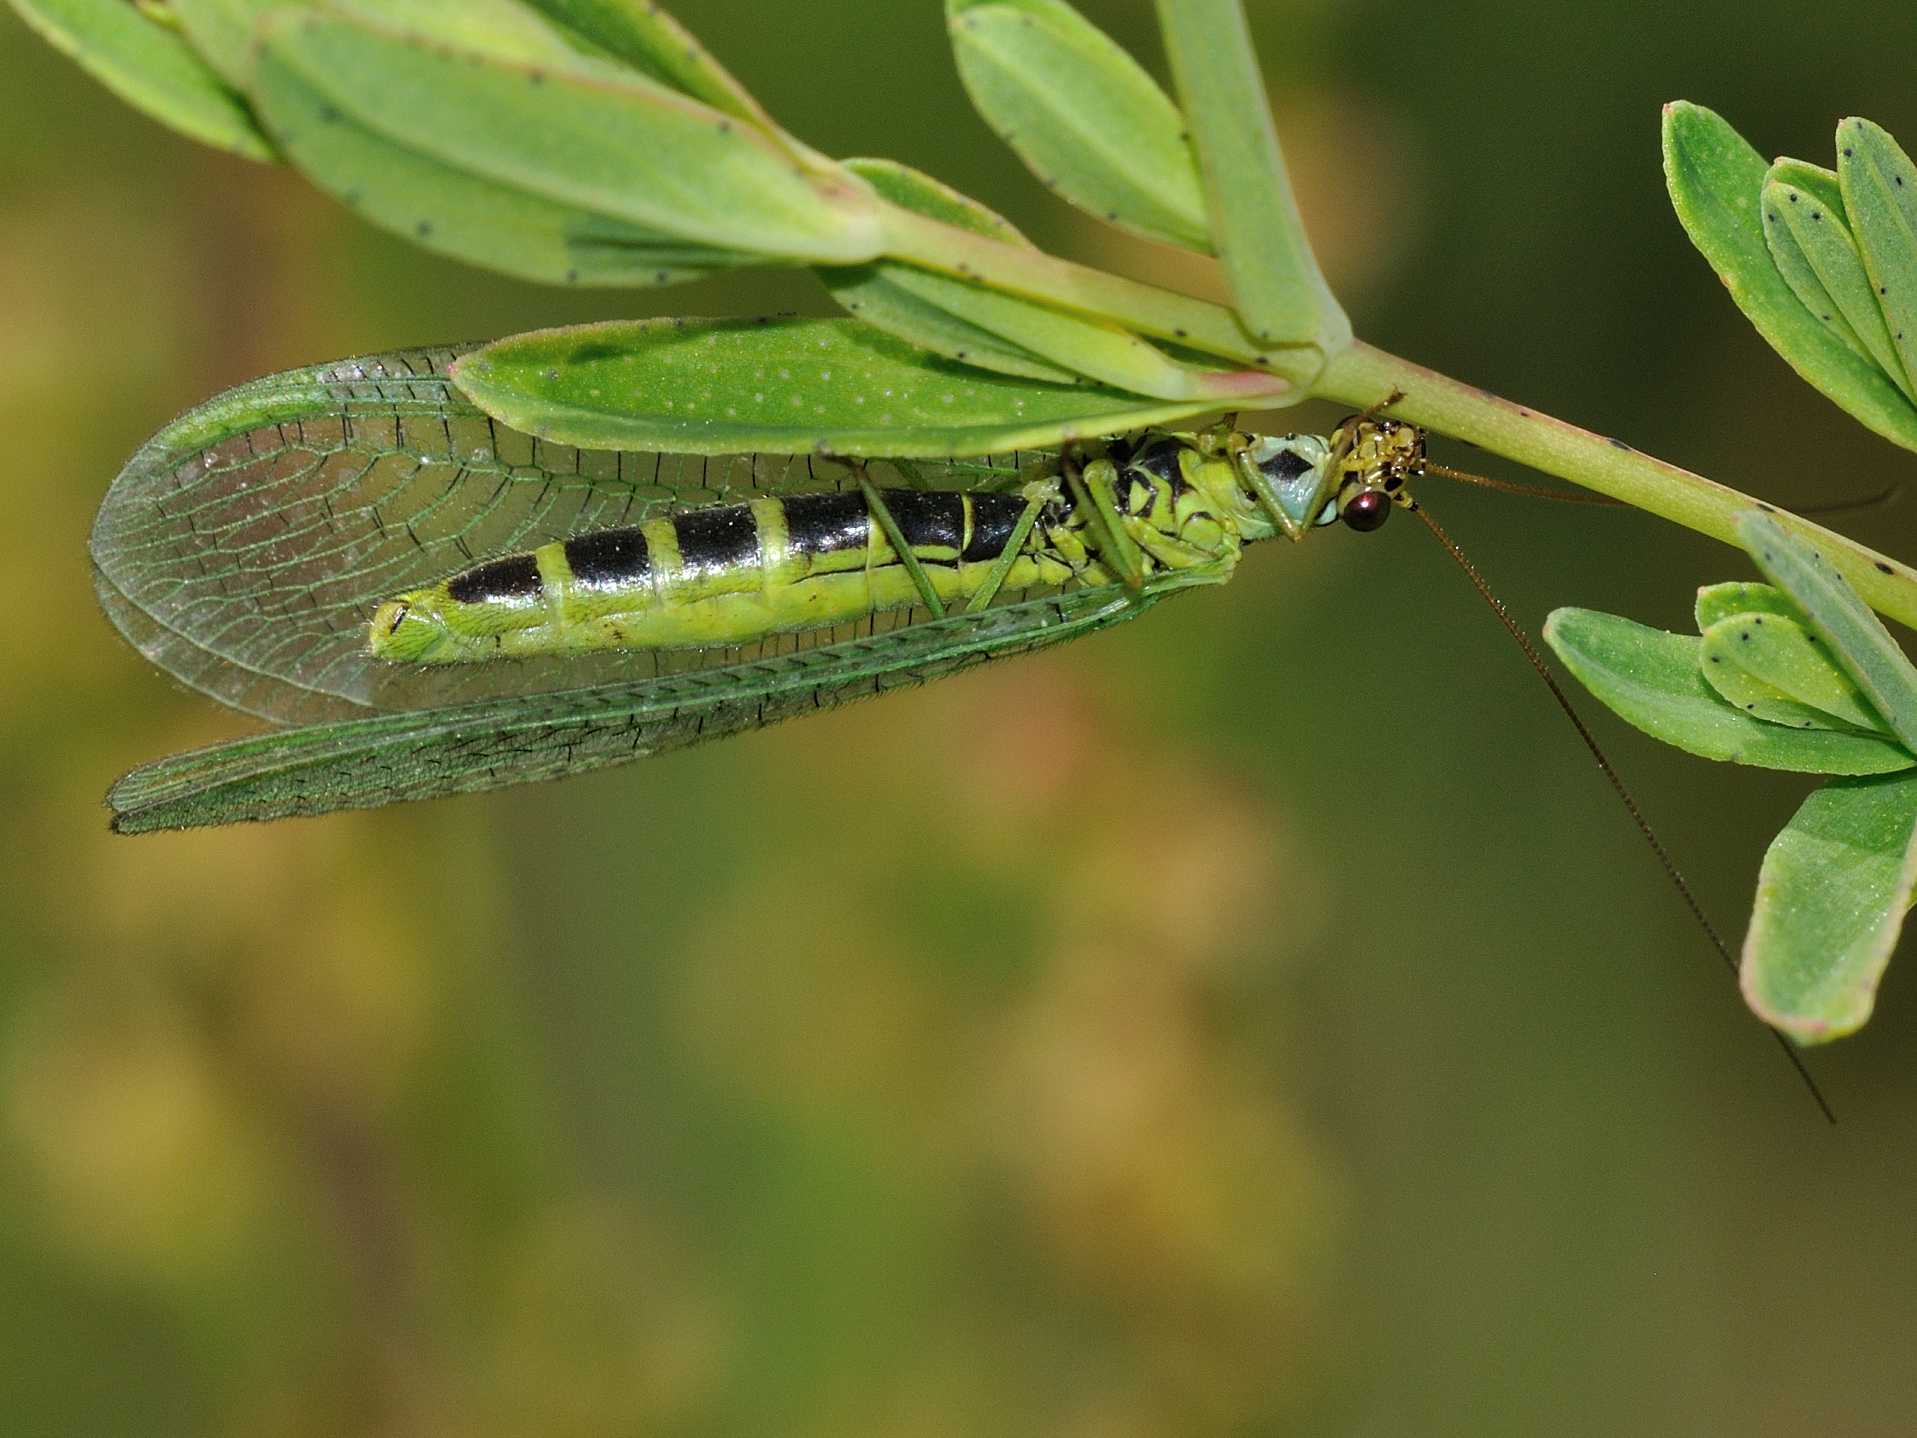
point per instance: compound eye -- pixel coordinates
(1368, 510)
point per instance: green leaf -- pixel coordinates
(915, 304)
(1256, 230)
(1082, 114)
(222, 31)
(1811, 245)
(787, 386)
(1831, 900)
(150, 66)
(1820, 185)
(1651, 678)
(225, 31)
(1777, 669)
(644, 36)
(1880, 195)
(585, 133)
(977, 324)
(1743, 596)
(466, 216)
(1856, 636)
(1716, 182)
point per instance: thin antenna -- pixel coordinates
(1677, 879)
(1528, 491)
(1885, 496)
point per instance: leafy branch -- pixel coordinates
(1796, 675)
(596, 142)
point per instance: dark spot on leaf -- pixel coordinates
(572, 277)
(1883, 568)
(589, 354)
(423, 228)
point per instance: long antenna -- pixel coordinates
(1677, 879)
(1884, 497)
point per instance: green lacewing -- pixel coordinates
(256, 548)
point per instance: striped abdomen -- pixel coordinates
(722, 574)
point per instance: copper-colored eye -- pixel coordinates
(1367, 510)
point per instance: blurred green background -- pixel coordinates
(1257, 1020)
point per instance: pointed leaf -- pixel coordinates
(463, 215)
(1082, 114)
(1650, 678)
(1280, 293)
(585, 133)
(1716, 184)
(1814, 251)
(151, 66)
(1857, 637)
(787, 386)
(1820, 185)
(1880, 195)
(1777, 669)
(1831, 900)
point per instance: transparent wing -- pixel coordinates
(244, 548)
(393, 757)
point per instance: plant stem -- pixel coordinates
(1363, 376)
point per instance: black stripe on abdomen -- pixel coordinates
(608, 559)
(928, 519)
(722, 537)
(826, 523)
(994, 517)
(516, 577)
